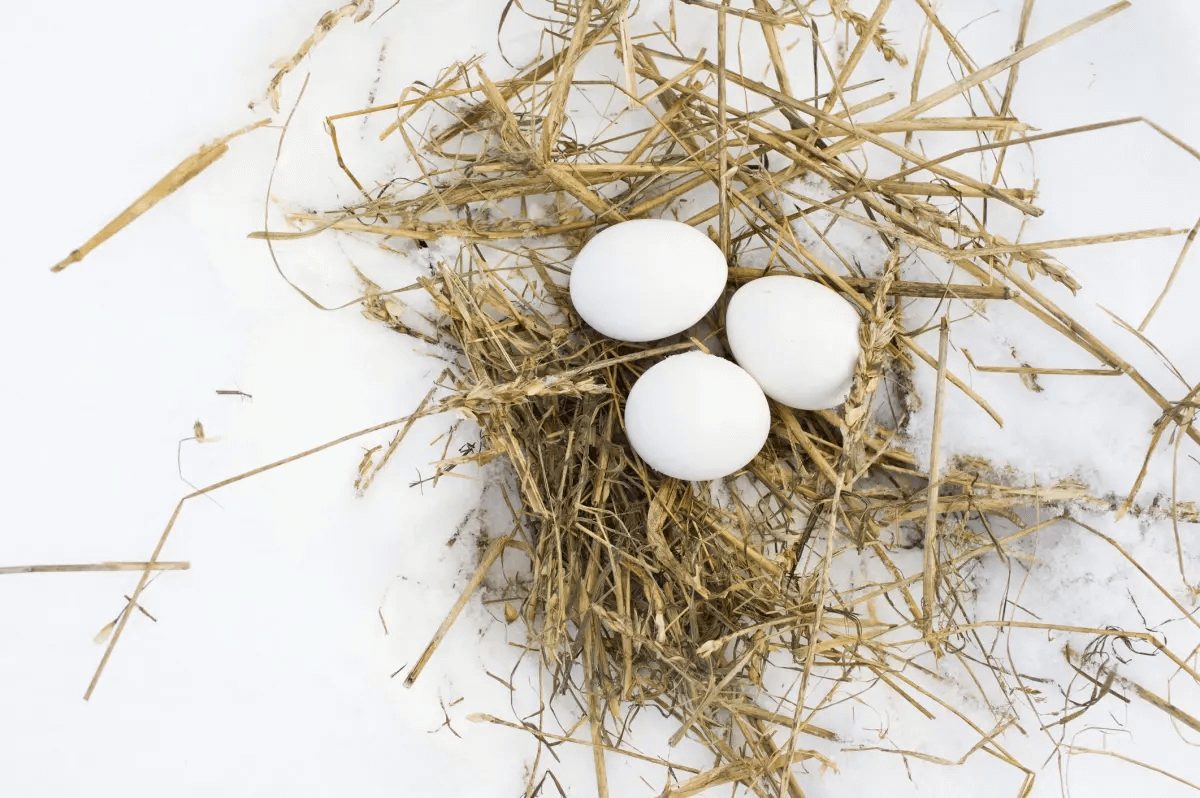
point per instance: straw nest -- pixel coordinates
(722, 604)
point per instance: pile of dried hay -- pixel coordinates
(695, 598)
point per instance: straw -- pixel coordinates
(681, 597)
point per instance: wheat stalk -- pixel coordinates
(875, 336)
(879, 38)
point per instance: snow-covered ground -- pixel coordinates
(268, 669)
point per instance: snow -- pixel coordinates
(267, 672)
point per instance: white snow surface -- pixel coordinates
(268, 669)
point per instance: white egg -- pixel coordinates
(646, 279)
(798, 338)
(695, 416)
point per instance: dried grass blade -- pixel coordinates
(188, 168)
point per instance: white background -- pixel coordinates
(267, 672)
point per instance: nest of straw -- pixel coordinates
(693, 598)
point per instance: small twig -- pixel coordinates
(1066, 372)
(490, 556)
(722, 133)
(358, 9)
(188, 168)
(930, 572)
(990, 71)
(367, 477)
(1079, 749)
(96, 566)
(562, 738)
(151, 565)
(743, 274)
(1183, 252)
(763, 13)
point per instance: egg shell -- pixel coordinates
(798, 338)
(696, 417)
(646, 279)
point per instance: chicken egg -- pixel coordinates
(696, 417)
(798, 338)
(646, 279)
